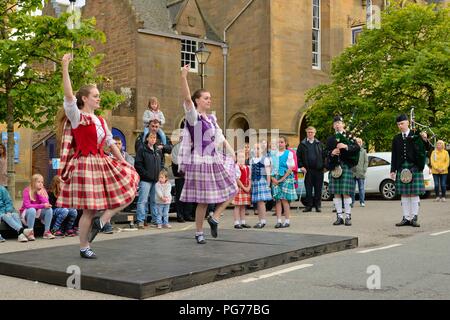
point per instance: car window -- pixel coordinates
(375, 162)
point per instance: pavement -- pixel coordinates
(373, 225)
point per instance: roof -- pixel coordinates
(163, 15)
(153, 14)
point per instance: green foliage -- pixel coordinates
(31, 48)
(403, 64)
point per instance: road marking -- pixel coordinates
(438, 233)
(302, 266)
(382, 248)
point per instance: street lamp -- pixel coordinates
(202, 55)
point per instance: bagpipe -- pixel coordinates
(348, 137)
(418, 141)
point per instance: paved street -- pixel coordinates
(412, 263)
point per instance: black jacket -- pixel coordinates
(167, 148)
(415, 151)
(148, 163)
(347, 156)
(302, 154)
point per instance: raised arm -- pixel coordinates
(186, 93)
(68, 92)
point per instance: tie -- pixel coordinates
(404, 136)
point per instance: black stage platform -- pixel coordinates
(145, 266)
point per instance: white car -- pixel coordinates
(378, 178)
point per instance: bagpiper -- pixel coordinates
(409, 151)
(343, 155)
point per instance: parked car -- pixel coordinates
(378, 180)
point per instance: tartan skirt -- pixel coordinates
(260, 190)
(345, 184)
(98, 182)
(242, 198)
(285, 190)
(209, 181)
(415, 187)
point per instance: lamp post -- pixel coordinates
(202, 55)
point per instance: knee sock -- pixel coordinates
(338, 206)
(415, 204)
(348, 208)
(406, 207)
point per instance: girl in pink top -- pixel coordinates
(36, 205)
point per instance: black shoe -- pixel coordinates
(285, 225)
(278, 225)
(334, 210)
(318, 209)
(307, 209)
(238, 226)
(88, 254)
(338, 221)
(404, 222)
(108, 228)
(214, 226)
(189, 219)
(414, 222)
(200, 239)
(245, 226)
(259, 225)
(180, 220)
(348, 221)
(96, 228)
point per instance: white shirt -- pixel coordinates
(73, 114)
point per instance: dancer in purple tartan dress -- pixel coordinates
(209, 172)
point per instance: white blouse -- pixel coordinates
(73, 114)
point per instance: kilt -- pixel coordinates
(260, 190)
(242, 198)
(345, 184)
(97, 182)
(285, 190)
(415, 187)
(209, 180)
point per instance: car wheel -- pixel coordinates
(387, 189)
(326, 196)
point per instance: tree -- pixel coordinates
(403, 64)
(31, 47)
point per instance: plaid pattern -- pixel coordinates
(242, 198)
(415, 187)
(94, 182)
(260, 191)
(209, 181)
(345, 184)
(284, 190)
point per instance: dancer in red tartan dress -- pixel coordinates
(93, 181)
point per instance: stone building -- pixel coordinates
(265, 54)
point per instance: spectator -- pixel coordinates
(359, 173)
(311, 158)
(163, 199)
(36, 205)
(154, 113)
(163, 148)
(3, 166)
(64, 217)
(148, 165)
(9, 215)
(125, 154)
(439, 168)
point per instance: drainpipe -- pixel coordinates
(225, 60)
